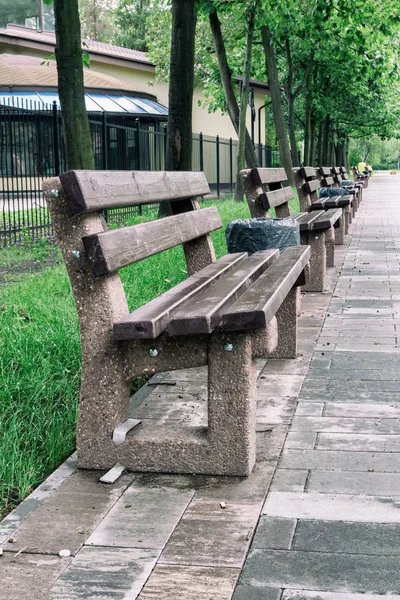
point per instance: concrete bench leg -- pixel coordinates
(330, 247)
(347, 218)
(316, 239)
(231, 403)
(287, 326)
(340, 231)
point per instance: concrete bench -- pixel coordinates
(361, 177)
(266, 189)
(227, 313)
(327, 180)
(307, 185)
(343, 179)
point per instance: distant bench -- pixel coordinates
(308, 182)
(266, 189)
(225, 314)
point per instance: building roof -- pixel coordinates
(28, 81)
(49, 38)
(17, 70)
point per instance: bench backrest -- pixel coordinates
(93, 253)
(307, 185)
(324, 175)
(265, 189)
(336, 175)
(108, 251)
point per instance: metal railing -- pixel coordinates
(32, 149)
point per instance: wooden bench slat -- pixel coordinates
(88, 191)
(306, 220)
(111, 250)
(327, 181)
(261, 176)
(336, 170)
(204, 313)
(328, 218)
(311, 186)
(319, 204)
(151, 320)
(256, 307)
(276, 198)
(306, 172)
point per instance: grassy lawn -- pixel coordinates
(40, 352)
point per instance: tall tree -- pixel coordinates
(77, 138)
(225, 73)
(130, 20)
(276, 103)
(96, 20)
(181, 84)
(244, 100)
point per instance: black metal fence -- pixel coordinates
(32, 149)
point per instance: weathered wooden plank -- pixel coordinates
(88, 191)
(203, 314)
(151, 320)
(111, 250)
(264, 176)
(324, 170)
(306, 220)
(311, 186)
(276, 198)
(306, 172)
(328, 219)
(335, 170)
(319, 204)
(256, 307)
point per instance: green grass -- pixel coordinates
(40, 353)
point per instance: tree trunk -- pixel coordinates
(181, 84)
(226, 80)
(292, 131)
(307, 121)
(311, 155)
(276, 102)
(178, 155)
(68, 51)
(244, 99)
(346, 153)
(290, 97)
(320, 143)
(325, 142)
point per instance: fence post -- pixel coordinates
(217, 156)
(201, 151)
(105, 140)
(231, 164)
(138, 144)
(55, 140)
(268, 162)
(260, 154)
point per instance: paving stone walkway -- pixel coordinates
(330, 527)
(326, 482)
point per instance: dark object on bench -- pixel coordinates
(225, 314)
(339, 176)
(251, 235)
(265, 189)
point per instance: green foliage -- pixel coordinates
(130, 21)
(97, 20)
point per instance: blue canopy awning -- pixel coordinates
(95, 102)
